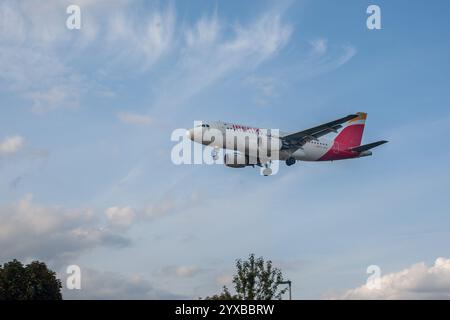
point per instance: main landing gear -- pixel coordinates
(290, 161)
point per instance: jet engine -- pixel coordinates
(235, 160)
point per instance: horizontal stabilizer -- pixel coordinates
(369, 146)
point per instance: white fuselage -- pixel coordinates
(251, 141)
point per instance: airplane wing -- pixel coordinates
(298, 139)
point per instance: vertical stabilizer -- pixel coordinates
(351, 134)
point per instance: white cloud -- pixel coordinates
(135, 119)
(11, 145)
(181, 271)
(120, 217)
(50, 232)
(416, 282)
(125, 216)
(110, 285)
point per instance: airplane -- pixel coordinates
(307, 145)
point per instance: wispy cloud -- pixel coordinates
(320, 58)
(205, 32)
(213, 50)
(44, 65)
(141, 42)
(40, 58)
(323, 58)
(321, 51)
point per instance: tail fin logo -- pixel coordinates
(360, 119)
(351, 135)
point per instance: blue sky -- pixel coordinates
(86, 116)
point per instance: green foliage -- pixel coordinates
(224, 295)
(254, 280)
(31, 282)
(257, 280)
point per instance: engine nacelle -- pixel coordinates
(235, 160)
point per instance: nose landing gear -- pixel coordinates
(267, 171)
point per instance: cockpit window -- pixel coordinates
(203, 126)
